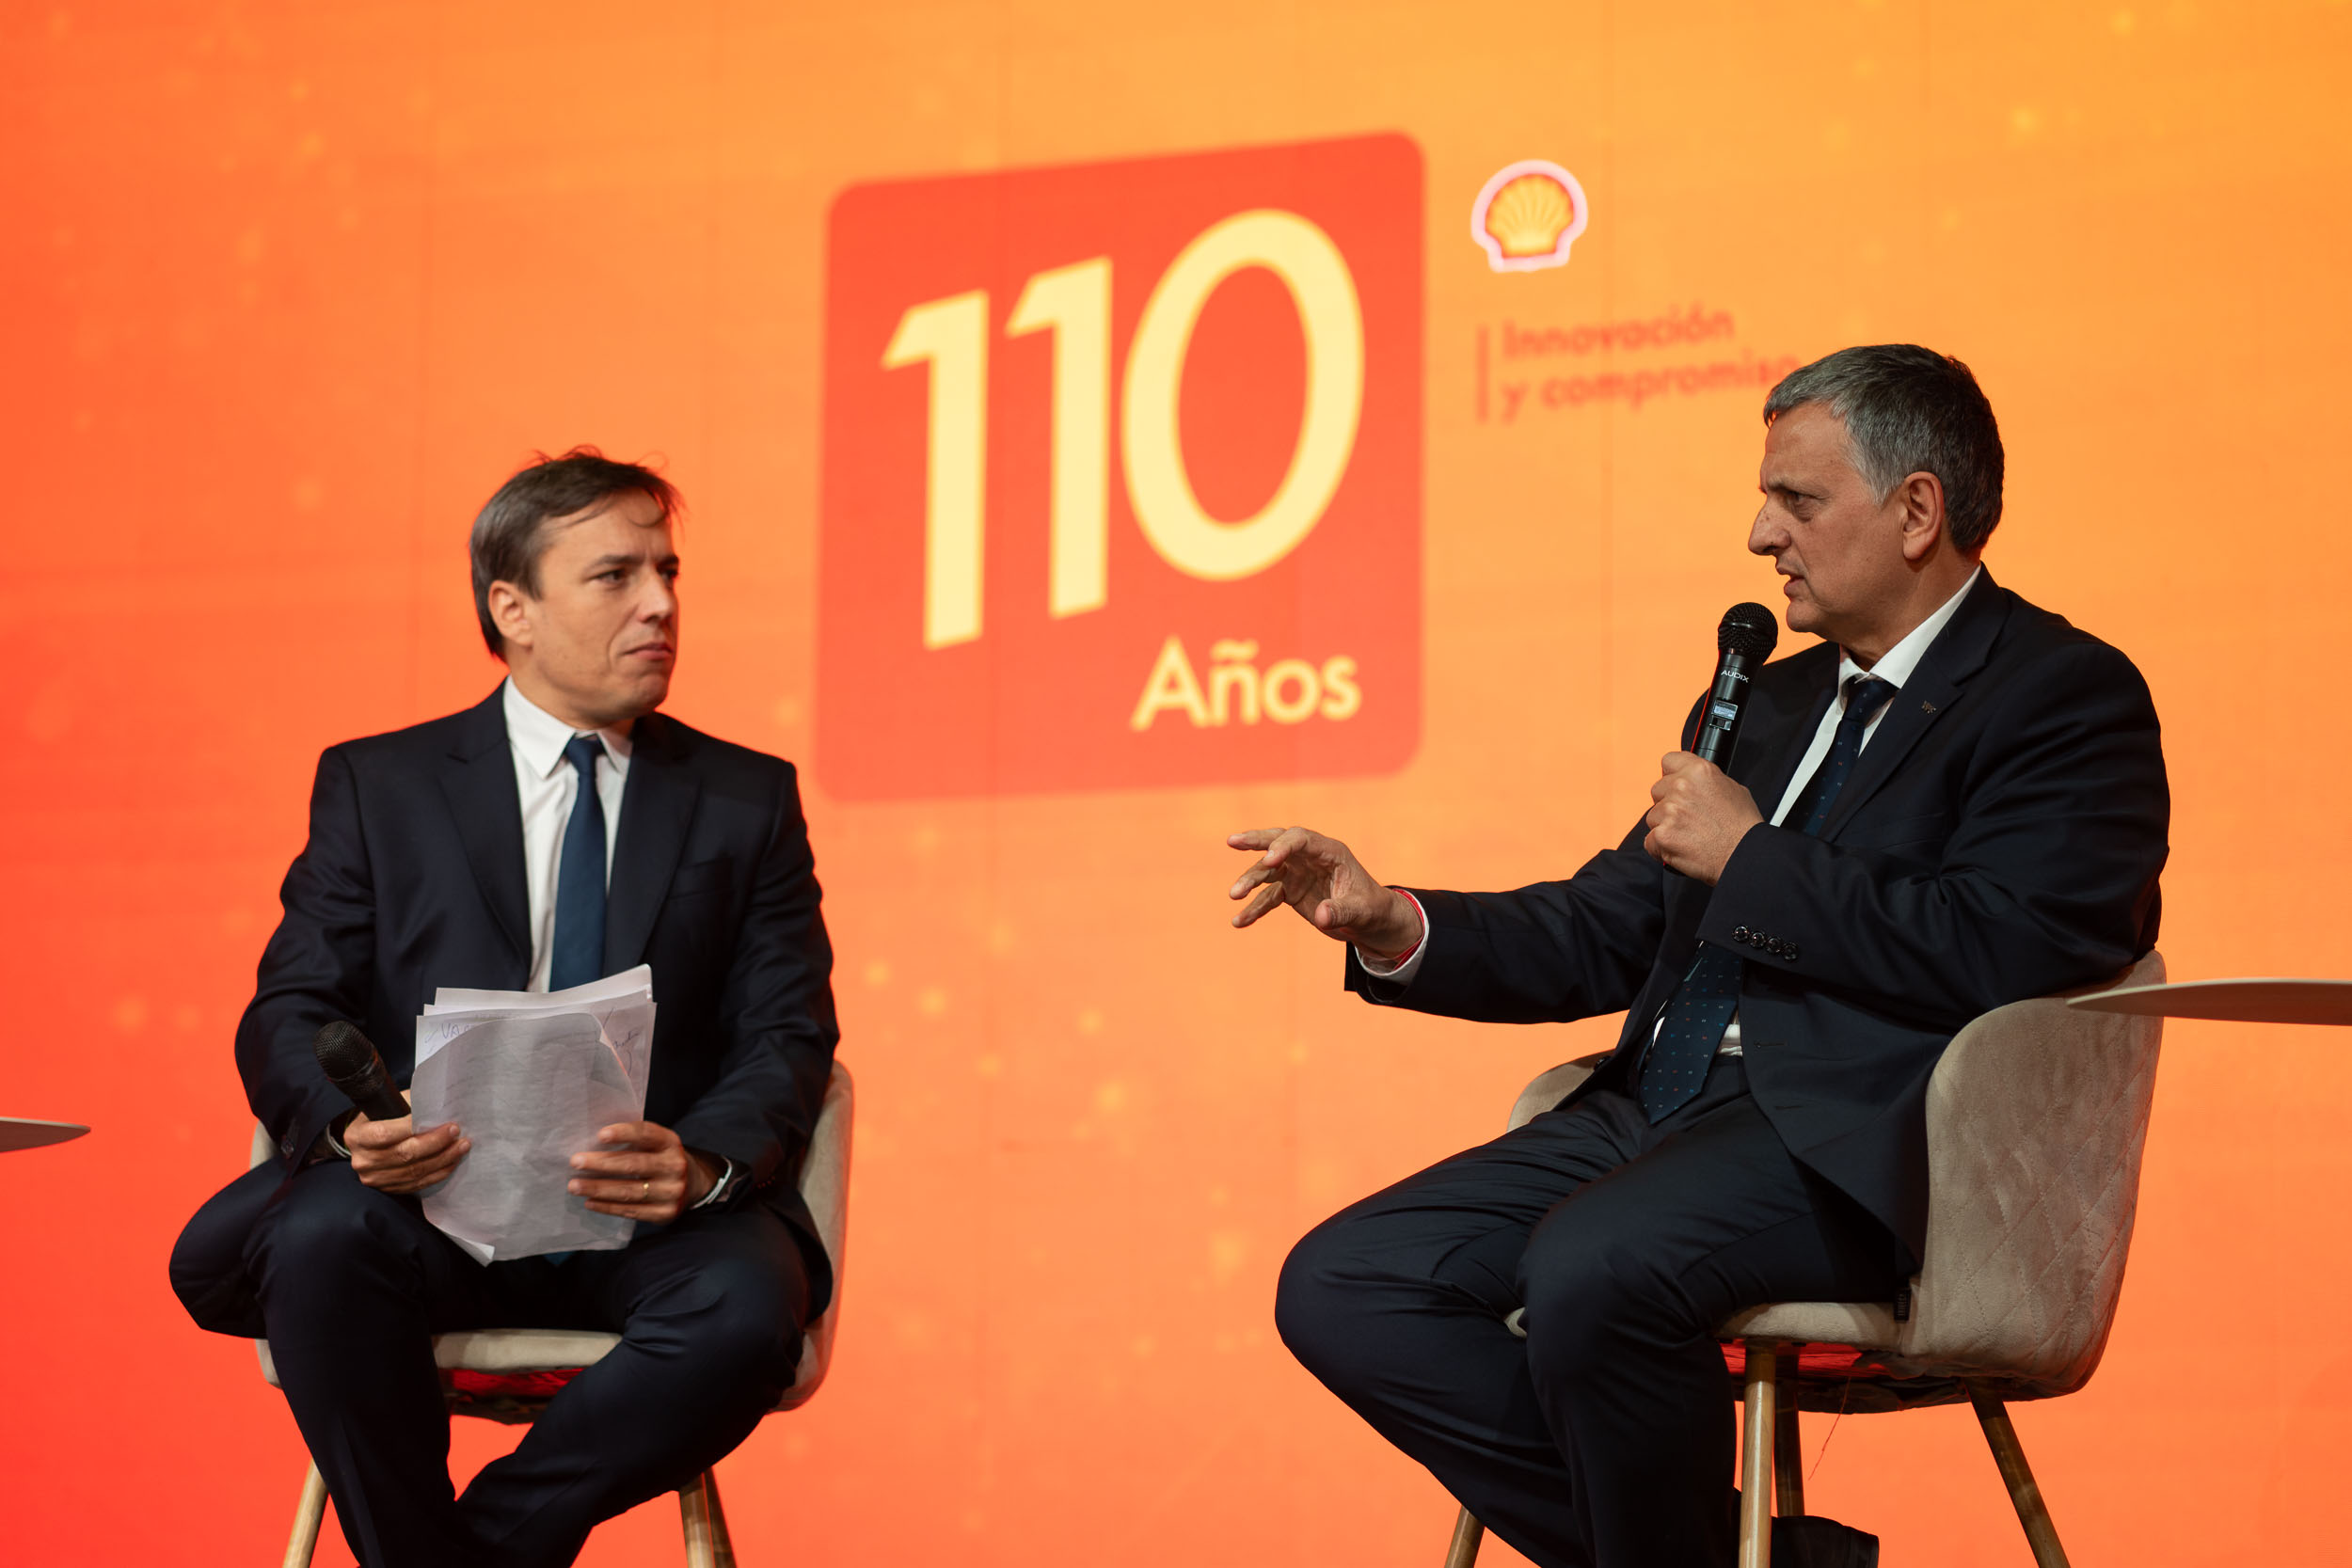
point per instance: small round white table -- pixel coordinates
(2250, 1000)
(31, 1133)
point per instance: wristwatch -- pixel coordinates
(329, 1135)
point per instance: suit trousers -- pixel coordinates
(1603, 1439)
(353, 1284)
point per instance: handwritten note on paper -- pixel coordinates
(532, 1078)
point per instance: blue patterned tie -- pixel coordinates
(1701, 1007)
(579, 955)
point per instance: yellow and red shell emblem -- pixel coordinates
(1528, 215)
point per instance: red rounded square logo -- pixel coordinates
(1123, 475)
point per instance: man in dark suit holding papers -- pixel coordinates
(1954, 801)
(560, 830)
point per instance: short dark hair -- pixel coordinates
(510, 533)
(1910, 410)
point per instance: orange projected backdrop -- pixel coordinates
(1103, 429)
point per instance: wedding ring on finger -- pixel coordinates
(647, 1195)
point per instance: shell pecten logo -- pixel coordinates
(1528, 215)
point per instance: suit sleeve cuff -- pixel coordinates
(1398, 972)
(1750, 910)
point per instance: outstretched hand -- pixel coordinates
(1323, 881)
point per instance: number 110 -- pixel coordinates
(1073, 302)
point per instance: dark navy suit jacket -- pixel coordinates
(413, 879)
(1999, 838)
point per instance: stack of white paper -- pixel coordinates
(531, 1078)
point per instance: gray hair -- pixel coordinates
(1910, 410)
(510, 534)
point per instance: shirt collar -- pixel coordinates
(1899, 661)
(539, 737)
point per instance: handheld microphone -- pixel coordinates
(352, 1064)
(1743, 643)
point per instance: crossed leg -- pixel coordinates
(353, 1284)
(1601, 1440)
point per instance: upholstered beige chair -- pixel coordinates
(2036, 1118)
(509, 1375)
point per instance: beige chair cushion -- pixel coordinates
(500, 1350)
(824, 1187)
(1861, 1325)
(2037, 1118)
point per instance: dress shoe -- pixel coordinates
(1809, 1541)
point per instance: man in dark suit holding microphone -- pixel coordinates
(1954, 801)
(558, 831)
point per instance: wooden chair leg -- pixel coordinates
(1468, 1532)
(1787, 1450)
(2010, 1455)
(310, 1514)
(721, 1543)
(1756, 1455)
(707, 1542)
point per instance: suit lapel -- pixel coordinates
(478, 780)
(655, 810)
(1958, 653)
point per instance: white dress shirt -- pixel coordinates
(547, 784)
(1895, 665)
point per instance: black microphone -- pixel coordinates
(1743, 643)
(351, 1063)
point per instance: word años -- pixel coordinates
(1289, 691)
(1693, 326)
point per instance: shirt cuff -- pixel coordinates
(1401, 970)
(720, 1187)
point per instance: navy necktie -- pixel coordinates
(579, 955)
(1701, 1007)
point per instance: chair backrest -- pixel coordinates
(825, 1188)
(1546, 1090)
(2037, 1120)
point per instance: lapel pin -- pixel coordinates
(1927, 707)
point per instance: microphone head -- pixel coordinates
(343, 1051)
(1748, 629)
